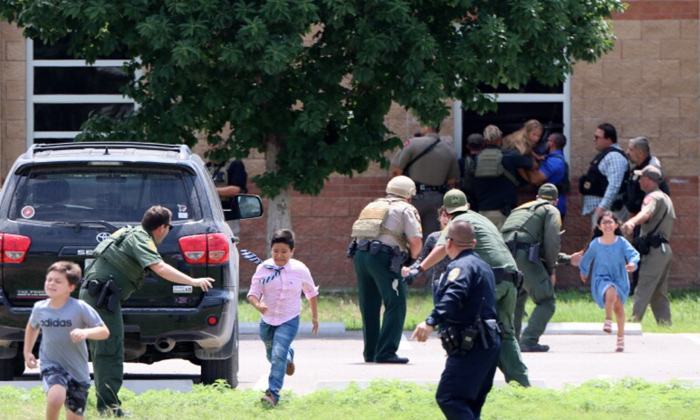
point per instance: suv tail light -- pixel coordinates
(13, 248)
(211, 248)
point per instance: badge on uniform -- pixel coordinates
(453, 274)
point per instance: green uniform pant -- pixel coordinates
(510, 361)
(538, 285)
(374, 286)
(107, 356)
(652, 287)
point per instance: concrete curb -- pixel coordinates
(337, 329)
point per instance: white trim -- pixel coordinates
(457, 118)
(29, 87)
(79, 63)
(564, 98)
(32, 99)
(527, 97)
(56, 134)
(82, 99)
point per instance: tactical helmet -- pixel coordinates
(401, 186)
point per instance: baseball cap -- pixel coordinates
(454, 201)
(651, 172)
(548, 192)
(475, 140)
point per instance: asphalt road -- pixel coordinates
(323, 362)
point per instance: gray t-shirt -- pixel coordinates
(57, 348)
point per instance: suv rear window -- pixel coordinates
(109, 194)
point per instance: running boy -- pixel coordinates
(275, 291)
(65, 324)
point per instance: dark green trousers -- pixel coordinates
(107, 356)
(374, 286)
(510, 361)
(538, 286)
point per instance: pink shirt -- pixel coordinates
(282, 295)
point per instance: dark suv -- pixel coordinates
(61, 200)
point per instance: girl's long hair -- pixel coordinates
(596, 230)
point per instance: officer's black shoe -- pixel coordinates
(393, 359)
(533, 348)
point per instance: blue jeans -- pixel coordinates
(278, 342)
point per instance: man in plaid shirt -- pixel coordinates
(602, 185)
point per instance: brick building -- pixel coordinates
(648, 85)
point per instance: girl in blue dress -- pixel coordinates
(606, 262)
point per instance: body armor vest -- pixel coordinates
(521, 220)
(370, 224)
(109, 250)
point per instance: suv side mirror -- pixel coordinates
(245, 206)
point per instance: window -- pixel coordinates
(549, 105)
(63, 91)
(117, 195)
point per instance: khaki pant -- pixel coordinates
(652, 287)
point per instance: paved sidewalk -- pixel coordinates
(337, 329)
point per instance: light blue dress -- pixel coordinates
(609, 267)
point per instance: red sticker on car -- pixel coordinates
(28, 212)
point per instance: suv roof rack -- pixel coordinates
(43, 147)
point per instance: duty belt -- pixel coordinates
(365, 245)
(422, 187)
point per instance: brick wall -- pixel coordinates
(12, 94)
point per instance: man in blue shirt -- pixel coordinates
(554, 169)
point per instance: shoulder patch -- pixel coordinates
(152, 246)
(453, 274)
(406, 143)
(648, 199)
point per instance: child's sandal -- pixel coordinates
(620, 345)
(607, 326)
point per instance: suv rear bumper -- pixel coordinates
(152, 324)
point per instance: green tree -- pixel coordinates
(309, 82)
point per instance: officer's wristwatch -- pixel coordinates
(430, 321)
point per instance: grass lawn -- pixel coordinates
(626, 399)
(572, 306)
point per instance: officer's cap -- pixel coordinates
(651, 172)
(548, 192)
(455, 201)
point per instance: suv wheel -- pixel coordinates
(7, 371)
(18, 368)
(226, 369)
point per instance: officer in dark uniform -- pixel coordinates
(465, 313)
(120, 266)
(387, 230)
(230, 179)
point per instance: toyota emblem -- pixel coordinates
(102, 236)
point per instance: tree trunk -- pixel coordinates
(279, 209)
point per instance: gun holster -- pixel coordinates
(110, 296)
(533, 254)
(93, 287)
(352, 249)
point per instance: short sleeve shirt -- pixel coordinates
(402, 218)
(656, 203)
(435, 167)
(140, 246)
(57, 349)
(490, 246)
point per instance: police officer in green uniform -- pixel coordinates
(532, 232)
(491, 248)
(656, 221)
(387, 230)
(230, 179)
(118, 270)
(431, 163)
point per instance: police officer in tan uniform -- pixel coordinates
(387, 231)
(656, 221)
(434, 172)
(230, 179)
